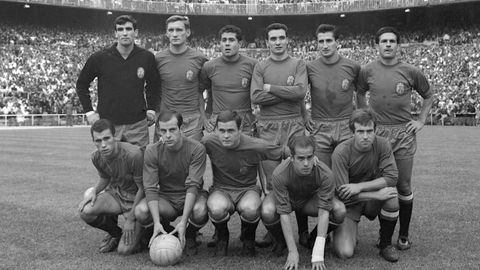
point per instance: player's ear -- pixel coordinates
(189, 32)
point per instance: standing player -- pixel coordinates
(391, 83)
(172, 177)
(119, 190)
(332, 79)
(227, 80)
(179, 68)
(365, 177)
(126, 74)
(279, 88)
(235, 158)
(300, 184)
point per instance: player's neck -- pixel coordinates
(389, 61)
(231, 58)
(332, 59)
(124, 51)
(178, 49)
(279, 57)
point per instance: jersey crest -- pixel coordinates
(345, 84)
(400, 89)
(290, 80)
(140, 73)
(189, 75)
(244, 82)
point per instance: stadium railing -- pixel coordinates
(43, 120)
(252, 7)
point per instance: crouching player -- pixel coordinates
(119, 165)
(172, 176)
(235, 158)
(302, 183)
(365, 175)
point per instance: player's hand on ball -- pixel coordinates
(292, 261)
(150, 117)
(180, 228)
(92, 118)
(157, 229)
(414, 126)
(387, 193)
(346, 191)
(318, 266)
(128, 231)
(89, 197)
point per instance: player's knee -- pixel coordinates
(199, 213)
(269, 213)
(142, 214)
(217, 208)
(249, 212)
(404, 188)
(391, 205)
(338, 212)
(344, 251)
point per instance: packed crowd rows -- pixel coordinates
(40, 65)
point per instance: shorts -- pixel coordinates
(369, 209)
(404, 145)
(279, 131)
(125, 200)
(235, 194)
(136, 133)
(177, 200)
(248, 121)
(329, 134)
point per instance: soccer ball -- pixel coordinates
(165, 250)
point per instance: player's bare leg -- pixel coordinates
(219, 210)
(271, 219)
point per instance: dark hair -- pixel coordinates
(301, 141)
(275, 26)
(101, 125)
(123, 19)
(325, 28)
(387, 29)
(175, 18)
(227, 116)
(166, 116)
(231, 29)
(362, 117)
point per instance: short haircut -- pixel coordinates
(325, 28)
(301, 141)
(231, 29)
(176, 18)
(166, 116)
(275, 26)
(387, 29)
(123, 19)
(101, 125)
(227, 116)
(362, 117)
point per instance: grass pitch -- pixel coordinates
(44, 173)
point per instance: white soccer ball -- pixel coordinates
(165, 250)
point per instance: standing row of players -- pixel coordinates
(364, 166)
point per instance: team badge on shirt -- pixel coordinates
(189, 75)
(345, 84)
(400, 89)
(244, 82)
(290, 80)
(140, 72)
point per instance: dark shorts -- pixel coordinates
(136, 133)
(279, 131)
(369, 209)
(177, 200)
(404, 145)
(125, 200)
(235, 194)
(329, 134)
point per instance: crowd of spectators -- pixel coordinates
(40, 65)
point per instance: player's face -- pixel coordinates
(170, 132)
(364, 136)
(303, 160)
(387, 45)
(277, 41)
(177, 33)
(326, 44)
(229, 44)
(228, 134)
(125, 34)
(105, 142)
